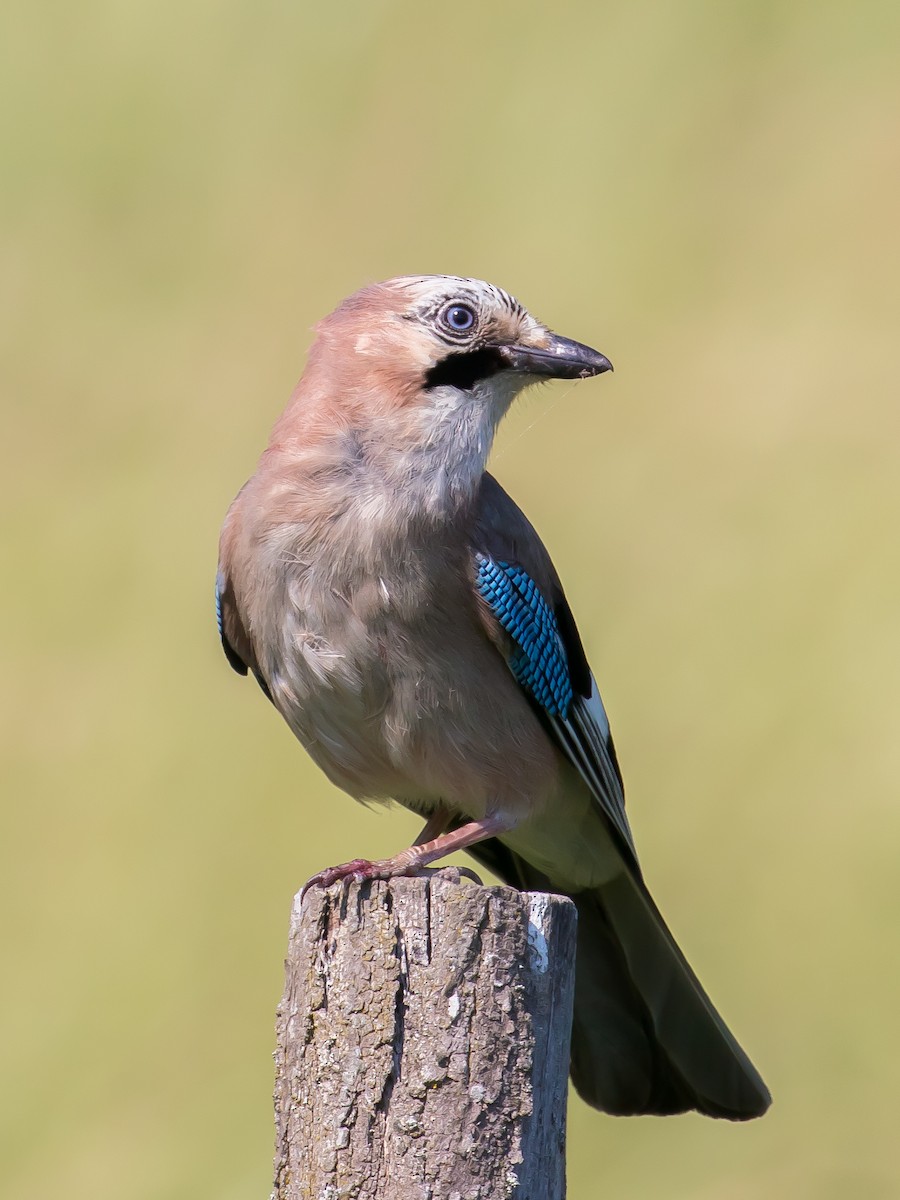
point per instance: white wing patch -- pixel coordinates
(584, 735)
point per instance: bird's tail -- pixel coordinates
(645, 1036)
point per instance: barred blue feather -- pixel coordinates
(539, 661)
(219, 611)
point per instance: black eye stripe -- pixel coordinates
(463, 370)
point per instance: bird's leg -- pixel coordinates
(434, 826)
(412, 860)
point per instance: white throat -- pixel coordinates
(439, 450)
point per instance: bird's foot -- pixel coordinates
(361, 869)
(356, 871)
(415, 859)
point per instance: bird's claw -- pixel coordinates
(451, 874)
(356, 871)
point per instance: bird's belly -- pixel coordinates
(334, 693)
(406, 709)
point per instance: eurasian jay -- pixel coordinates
(405, 619)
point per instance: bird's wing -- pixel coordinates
(527, 616)
(235, 639)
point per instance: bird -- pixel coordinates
(403, 616)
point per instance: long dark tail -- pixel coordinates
(645, 1036)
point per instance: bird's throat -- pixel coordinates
(433, 463)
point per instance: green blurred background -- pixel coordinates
(710, 193)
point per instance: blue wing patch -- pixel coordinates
(219, 608)
(539, 660)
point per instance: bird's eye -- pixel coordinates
(458, 317)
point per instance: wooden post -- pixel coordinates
(423, 1043)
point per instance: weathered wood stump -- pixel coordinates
(423, 1043)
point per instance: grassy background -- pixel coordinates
(707, 192)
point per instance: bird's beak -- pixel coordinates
(560, 358)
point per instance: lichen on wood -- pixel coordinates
(423, 1043)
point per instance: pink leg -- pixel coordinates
(411, 861)
(434, 826)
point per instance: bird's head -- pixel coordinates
(417, 336)
(407, 381)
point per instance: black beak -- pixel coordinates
(559, 359)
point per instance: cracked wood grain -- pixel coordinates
(423, 1044)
